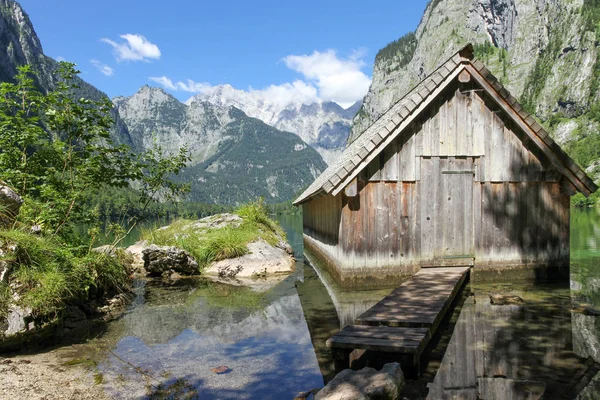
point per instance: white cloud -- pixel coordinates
(187, 86)
(105, 69)
(163, 81)
(340, 80)
(326, 78)
(287, 93)
(60, 59)
(135, 48)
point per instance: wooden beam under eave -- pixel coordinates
(529, 131)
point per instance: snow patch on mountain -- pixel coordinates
(323, 125)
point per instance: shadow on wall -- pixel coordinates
(525, 210)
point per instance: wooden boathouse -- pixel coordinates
(456, 173)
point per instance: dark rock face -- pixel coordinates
(365, 384)
(10, 203)
(164, 259)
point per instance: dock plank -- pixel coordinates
(381, 345)
(421, 302)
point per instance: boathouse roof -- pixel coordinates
(383, 131)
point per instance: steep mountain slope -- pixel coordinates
(544, 51)
(234, 157)
(324, 126)
(20, 45)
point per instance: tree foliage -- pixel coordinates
(56, 150)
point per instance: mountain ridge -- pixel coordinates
(234, 157)
(323, 125)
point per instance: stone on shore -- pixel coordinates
(262, 260)
(365, 384)
(168, 259)
(10, 203)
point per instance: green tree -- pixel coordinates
(57, 152)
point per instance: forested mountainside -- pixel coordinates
(544, 51)
(234, 157)
(20, 46)
(324, 125)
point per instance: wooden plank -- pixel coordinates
(422, 301)
(394, 223)
(405, 237)
(391, 172)
(477, 219)
(371, 241)
(383, 225)
(382, 345)
(479, 132)
(384, 332)
(415, 225)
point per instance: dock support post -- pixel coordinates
(341, 359)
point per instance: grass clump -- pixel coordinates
(208, 245)
(50, 276)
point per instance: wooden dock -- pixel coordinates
(405, 320)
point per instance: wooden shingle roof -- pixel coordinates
(383, 131)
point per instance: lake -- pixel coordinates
(273, 342)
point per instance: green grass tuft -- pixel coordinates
(50, 276)
(211, 245)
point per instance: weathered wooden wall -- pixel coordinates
(462, 180)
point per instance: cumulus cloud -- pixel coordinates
(186, 86)
(326, 77)
(340, 80)
(135, 48)
(287, 93)
(105, 69)
(164, 82)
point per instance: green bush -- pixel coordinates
(51, 276)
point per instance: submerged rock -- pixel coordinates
(503, 300)
(168, 259)
(262, 260)
(365, 384)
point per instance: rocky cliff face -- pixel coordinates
(20, 45)
(234, 157)
(544, 51)
(324, 126)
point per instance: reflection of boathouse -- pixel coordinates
(455, 173)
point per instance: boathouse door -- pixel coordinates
(446, 192)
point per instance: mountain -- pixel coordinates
(325, 126)
(544, 51)
(235, 158)
(20, 46)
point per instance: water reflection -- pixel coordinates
(185, 332)
(274, 342)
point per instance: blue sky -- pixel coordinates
(309, 49)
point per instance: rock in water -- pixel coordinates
(365, 384)
(503, 300)
(261, 261)
(10, 203)
(161, 259)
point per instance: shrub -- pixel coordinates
(51, 276)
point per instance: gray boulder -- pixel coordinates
(165, 259)
(10, 203)
(365, 384)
